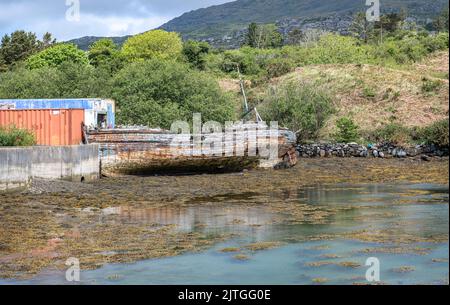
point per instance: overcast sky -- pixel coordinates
(97, 17)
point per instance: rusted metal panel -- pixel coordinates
(93, 107)
(53, 127)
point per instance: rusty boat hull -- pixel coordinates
(150, 151)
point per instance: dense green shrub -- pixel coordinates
(330, 49)
(263, 36)
(13, 136)
(393, 133)
(156, 93)
(195, 53)
(257, 63)
(412, 48)
(104, 53)
(437, 133)
(336, 49)
(298, 106)
(388, 53)
(402, 48)
(406, 48)
(214, 62)
(347, 130)
(56, 55)
(435, 42)
(153, 44)
(248, 60)
(276, 67)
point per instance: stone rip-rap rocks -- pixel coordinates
(382, 150)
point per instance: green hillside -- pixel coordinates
(84, 42)
(230, 19)
(221, 19)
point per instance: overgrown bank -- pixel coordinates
(361, 103)
(367, 86)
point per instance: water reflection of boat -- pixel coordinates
(217, 219)
(147, 151)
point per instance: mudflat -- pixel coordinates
(133, 218)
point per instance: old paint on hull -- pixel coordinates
(149, 151)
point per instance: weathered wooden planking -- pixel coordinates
(144, 151)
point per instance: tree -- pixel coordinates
(195, 52)
(47, 41)
(347, 130)
(18, 46)
(313, 36)
(3, 66)
(440, 23)
(296, 37)
(156, 93)
(68, 80)
(56, 55)
(252, 35)
(360, 27)
(153, 44)
(264, 36)
(104, 53)
(389, 24)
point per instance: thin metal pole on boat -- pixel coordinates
(258, 117)
(241, 81)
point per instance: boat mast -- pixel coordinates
(244, 95)
(241, 82)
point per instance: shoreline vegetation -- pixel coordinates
(54, 220)
(364, 87)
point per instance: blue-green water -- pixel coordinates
(417, 211)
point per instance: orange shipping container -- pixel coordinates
(52, 127)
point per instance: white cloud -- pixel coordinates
(93, 25)
(98, 17)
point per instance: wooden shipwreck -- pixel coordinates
(157, 151)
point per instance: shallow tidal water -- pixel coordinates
(295, 252)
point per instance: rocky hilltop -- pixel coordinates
(225, 25)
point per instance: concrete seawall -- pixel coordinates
(19, 165)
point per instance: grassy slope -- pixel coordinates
(398, 92)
